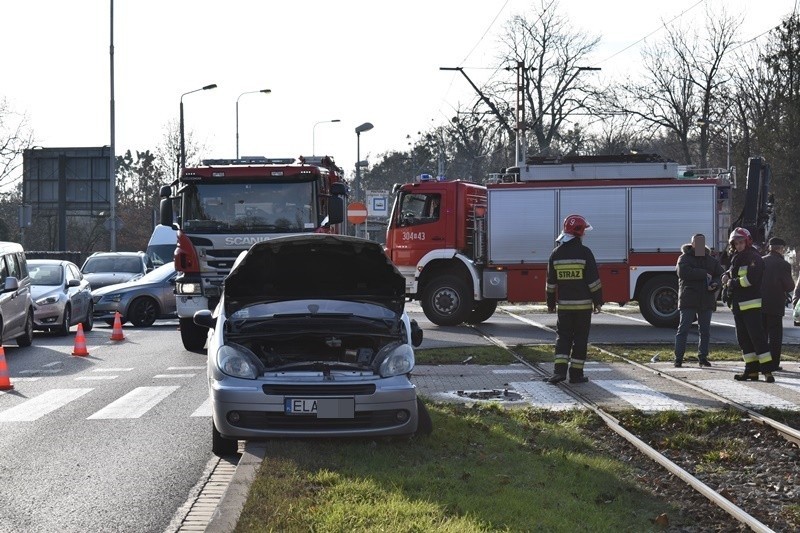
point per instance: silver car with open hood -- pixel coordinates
(310, 339)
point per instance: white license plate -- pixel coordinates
(320, 407)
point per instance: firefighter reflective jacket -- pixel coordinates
(746, 272)
(572, 277)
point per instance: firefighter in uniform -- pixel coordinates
(742, 288)
(573, 284)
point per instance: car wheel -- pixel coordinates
(65, 322)
(220, 445)
(424, 422)
(143, 312)
(26, 339)
(88, 324)
(192, 335)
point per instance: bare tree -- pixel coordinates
(15, 136)
(684, 79)
(552, 54)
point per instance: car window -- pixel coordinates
(46, 274)
(13, 266)
(3, 269)
(23, 265)
(113, 264)
(73, 273)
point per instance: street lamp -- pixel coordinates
(364, 127)
(314, 133)
(703, 121)
(183, 146)
(265, 91)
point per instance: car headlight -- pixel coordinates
(237, 361)
(395, 360)
(47, 300)
(115, 297)
(187, 288)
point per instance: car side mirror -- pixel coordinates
(416, 334)
(11, 284)
(204, 318)
(73, 282)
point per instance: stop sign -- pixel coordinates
(357, 213)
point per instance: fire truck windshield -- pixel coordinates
(252, 207)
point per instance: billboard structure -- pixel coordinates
(61, 181)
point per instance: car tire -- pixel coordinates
(63, 330)
(424, 422)
(88, 324)
(26, 339)
(143, 312)
(192, 335)
(220, 446)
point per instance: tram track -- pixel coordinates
(721, 499)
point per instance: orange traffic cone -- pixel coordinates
(116, 334)
(5, 379)
(80, 343)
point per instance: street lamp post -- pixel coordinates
(363, 127)
(265, 91)
(183, 146)
(314, 133)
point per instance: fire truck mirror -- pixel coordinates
(335, 210)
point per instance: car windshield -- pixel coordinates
(159, 274)
(113, 264)
(46, 274)
(314, 307)
(263, 207)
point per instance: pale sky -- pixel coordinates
(354, 60)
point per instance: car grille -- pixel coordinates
(275, 420)
(356, 389)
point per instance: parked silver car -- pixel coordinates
(310, 339)
(140, 302)
(108, 268)
(61, 296)
(16, 306)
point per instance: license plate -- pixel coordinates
(320, 407)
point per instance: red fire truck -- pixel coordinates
(465, 247)
(224, 206)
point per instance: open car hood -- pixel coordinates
(318, 266)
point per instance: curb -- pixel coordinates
(227, 513)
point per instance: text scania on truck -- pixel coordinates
(222, 207)
(464, 247)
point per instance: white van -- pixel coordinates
(162, 245)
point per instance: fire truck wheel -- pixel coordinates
(192, 335)
(447, 301)
(658, 301)
(483, 311)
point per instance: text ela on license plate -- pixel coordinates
(321, 407)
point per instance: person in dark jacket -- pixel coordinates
(742, 286)
(699, 276)
(777, 284)
(573, 284)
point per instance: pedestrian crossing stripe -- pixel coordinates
(45, 403)
(747, 395)
(135, 403)
(204, 409)
(640, 396)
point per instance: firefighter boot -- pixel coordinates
(576, 376)
(559, 373)
(750, 373)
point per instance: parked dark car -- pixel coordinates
(109, 268)
(61, 296)
(310, 339)
(141, 301)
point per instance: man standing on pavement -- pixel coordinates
(573, 284)
(699, 276)
(742, 292)
(774, 289)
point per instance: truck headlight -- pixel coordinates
(187, 288)
(395, 360)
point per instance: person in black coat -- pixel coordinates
(699, 276)
(774, 289)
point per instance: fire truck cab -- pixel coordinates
(464, 247)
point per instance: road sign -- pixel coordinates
(357, 213)
(378, 203)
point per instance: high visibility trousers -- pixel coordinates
(572, 338)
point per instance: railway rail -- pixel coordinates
(722, 498)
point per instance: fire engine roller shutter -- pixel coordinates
(522, 225)
(666, 217)
(606, 210)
